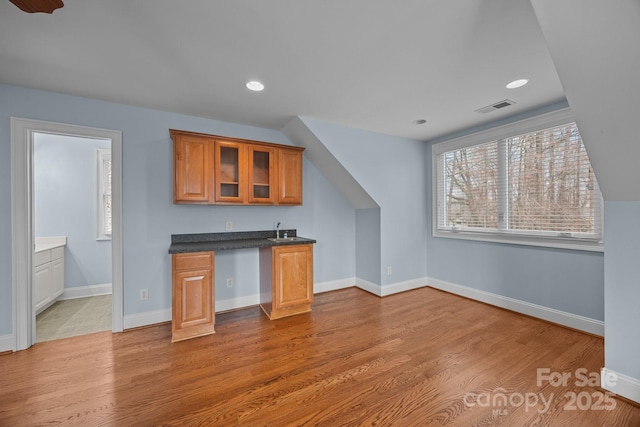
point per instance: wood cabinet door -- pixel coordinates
(261, 170)
(193, 312)
(231, 172)
(192, 163)
(289, 177)
(293, 276)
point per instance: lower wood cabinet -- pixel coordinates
(193, 312)
(286, 287)
(286, 280)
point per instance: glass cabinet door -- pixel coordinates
(230, 172)
(261, 174)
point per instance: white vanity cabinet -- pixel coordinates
(48, 273)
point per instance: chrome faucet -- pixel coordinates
(277, 230)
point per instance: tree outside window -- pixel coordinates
(538, 184)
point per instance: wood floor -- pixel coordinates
(420, 358)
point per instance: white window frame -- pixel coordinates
(530, 125)
(103, 155)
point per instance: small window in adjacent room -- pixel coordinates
(530, 182)
(104, 194)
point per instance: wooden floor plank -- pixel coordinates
(420, 358)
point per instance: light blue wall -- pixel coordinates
(325, 216)
(566, 280)
(392, 171)
(622, 298)
(368, 245)
(65, 198)
(150, 217)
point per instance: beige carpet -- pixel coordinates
(74, 317)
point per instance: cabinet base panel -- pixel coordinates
(278, 314)
(181, 336)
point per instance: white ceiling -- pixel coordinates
(371, 64)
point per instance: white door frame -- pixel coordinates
(22, 223)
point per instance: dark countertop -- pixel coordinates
(203, 242)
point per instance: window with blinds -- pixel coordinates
(104, 194)
(535, 187)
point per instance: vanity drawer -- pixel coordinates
(57, 253)
(41, 257)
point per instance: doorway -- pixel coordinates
(23, 134)
(72, 232)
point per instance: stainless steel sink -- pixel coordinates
(283, 239)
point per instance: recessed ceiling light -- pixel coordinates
(255, 86)
(419, 122)
(517, 83)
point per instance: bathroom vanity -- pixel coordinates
(48, 271)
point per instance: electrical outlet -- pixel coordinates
(144, 294)
(230, 282)
(228, 225)
(389, 271)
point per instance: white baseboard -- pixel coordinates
(86, 291)
(334, 285)
(253, 300)
(407, 285)
(620, 384)
(236, 303)
(570, 320)
(581, 323)
(6, 343)
(160, 316)
(394, 288)
(147, 318)
(370, 287)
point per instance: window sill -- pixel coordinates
(102, 238)
(547, 242)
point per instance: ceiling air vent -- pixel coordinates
(496, 106)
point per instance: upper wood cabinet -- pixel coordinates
(192, 168)
(210, 169)
(289, 177)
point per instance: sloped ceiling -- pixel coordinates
(316, 151)
(597, 55)
(376, 65)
